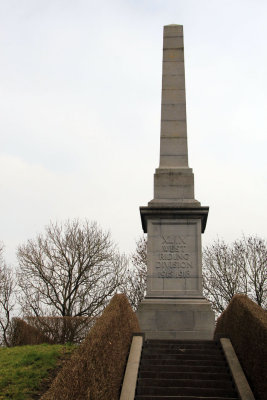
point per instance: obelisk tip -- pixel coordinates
(173, 30)
(173, 25)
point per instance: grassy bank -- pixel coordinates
(25, 371)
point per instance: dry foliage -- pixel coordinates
(62, 329)
(245, 323)
(95, 371)
(25, 334)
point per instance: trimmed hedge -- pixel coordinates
(53, 330)
(61, 330)
(245, 323)
(25, 334)
(95, 370)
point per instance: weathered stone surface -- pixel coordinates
(131, 373)
(173, 129)
(176, 319)
(173, 82)
(178, 160)
(174, 258)
(174, 54)
(173, 42)
(173, 112)
(173, 30)
(173, 97)
(174, 306)
(172, 68)
(243, 388)
(173, 146)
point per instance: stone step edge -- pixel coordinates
(160, 397)
(207, 381)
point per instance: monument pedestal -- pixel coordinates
(186, 319)
(174, 307)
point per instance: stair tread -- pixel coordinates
(169, 361)
(183, 368)
(176, 390)
(178, 356)
(160, 397)
(184, 375)
(185, 382)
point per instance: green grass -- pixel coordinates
(24, 368)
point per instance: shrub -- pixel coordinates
(95, 370)
(22, 334)
(62, 330)
(245, 323)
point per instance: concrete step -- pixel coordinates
(181, 361)
(185, 391)
(184, 368)
(180, 350)
(200, 383)
(184, 375)
(186, 345)
(160, 397)
(182, 356)
(175, 341)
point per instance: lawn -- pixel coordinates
(25, 369)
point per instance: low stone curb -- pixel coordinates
(238, 375)
(131, 373)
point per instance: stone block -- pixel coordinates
(176, 319)
(174, 194)
(173, 54)
(173, 112)
(173, 161)
(173, 146)
(173, 68)
(173, 42)
(175, 82)
(175, 171)
(173, 30)
(173, 96)
(173, 129)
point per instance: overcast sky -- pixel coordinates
(80, 85)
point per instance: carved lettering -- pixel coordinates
(174, 259)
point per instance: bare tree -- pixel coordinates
(135, 284)
(70, 271)
(240, 267)
(7, 302)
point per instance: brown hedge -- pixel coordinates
(24, 334)
(245, 323)
(95, 370)
(61, 330)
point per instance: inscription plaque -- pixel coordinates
(174, 260)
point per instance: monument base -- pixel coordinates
(186, 319)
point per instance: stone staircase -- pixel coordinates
(184, 370)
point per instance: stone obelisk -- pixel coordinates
(174, 306)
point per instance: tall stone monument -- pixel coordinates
(174, 306)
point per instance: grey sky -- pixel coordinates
(80, 86)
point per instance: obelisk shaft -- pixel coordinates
(173, 138)
(173, 180)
